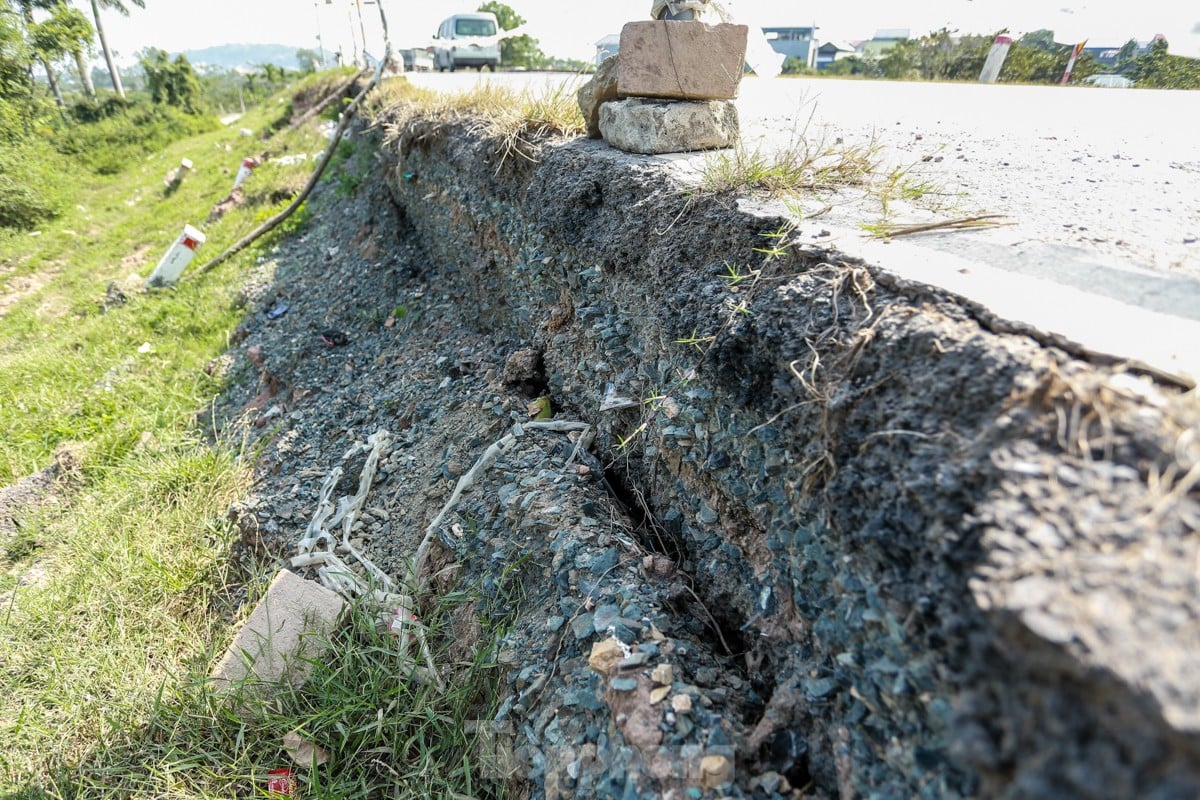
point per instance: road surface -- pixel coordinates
(1100, 187)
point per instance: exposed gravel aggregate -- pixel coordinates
(884, 550)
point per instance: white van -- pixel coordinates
(467, 40)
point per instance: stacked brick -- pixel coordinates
(670, 89)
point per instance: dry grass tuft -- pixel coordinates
(519, 122)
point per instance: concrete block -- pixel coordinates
(648, 126)
(285, 631)
(599, 90)
(681, 60)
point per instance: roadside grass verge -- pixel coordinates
(812, 175)
(518, 122)
(113, 600)
(383, 734)
(799, 167)
(119, 603)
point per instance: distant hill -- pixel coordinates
(232, 56)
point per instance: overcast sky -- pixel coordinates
(570, 28)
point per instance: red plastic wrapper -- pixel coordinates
(281, 783)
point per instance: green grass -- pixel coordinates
(114, 604)
(800, 166)
(385, 734)
(110, 145)
(73, 373)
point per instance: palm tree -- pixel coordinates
(118, 6)
(79, 33)
(27, 7)
(66, 32)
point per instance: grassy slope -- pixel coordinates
(117, 608)
(113, 593)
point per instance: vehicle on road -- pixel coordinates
(417, 59)
(467, 40)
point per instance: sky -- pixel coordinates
(570, 28)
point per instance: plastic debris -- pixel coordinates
(281, 783)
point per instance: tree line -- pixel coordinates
(1035, 57)
(525, 51)
(59, 118)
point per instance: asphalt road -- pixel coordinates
(1100, 190)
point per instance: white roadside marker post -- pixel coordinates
(177, 258)
(175, 176)
(995, 59)
(243, 172)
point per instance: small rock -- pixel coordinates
(706, 515)
(605, 617)
(582, 626)
(658, 694)
(715, 771)
(634, 660)
(623, 684)
(681, 704)
(663, 674)
(599, 90)
(304, 752)
(648, 127)
(605, 656)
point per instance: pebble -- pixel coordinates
(634, 660)
(605, 617)
(605, 656)
(624, 684)
(582, 626)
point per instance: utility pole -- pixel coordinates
(320, 44)
(362, 31)
(354, 38)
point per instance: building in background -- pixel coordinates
(829, 52)
(885, 39)
(608, 46)
(798, 43)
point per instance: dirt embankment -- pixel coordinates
(885, 551)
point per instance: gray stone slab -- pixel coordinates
(287, 629)
(653, 127)
(599, 90)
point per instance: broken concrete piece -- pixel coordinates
(283, 634)
(649, 126)
(599, 90)
(681, 60)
